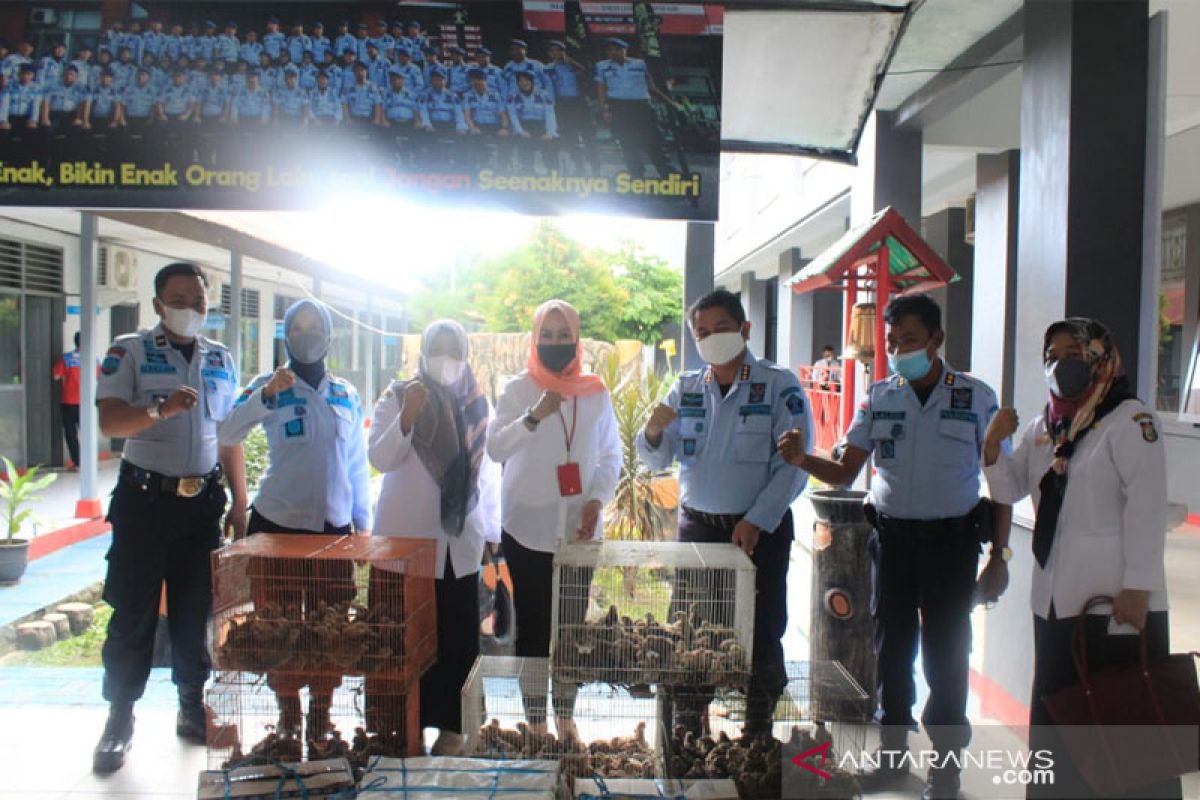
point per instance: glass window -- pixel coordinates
(10, 339)
(248, 365)
(1173, 352)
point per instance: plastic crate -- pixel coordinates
(669, 613)
(325, 605)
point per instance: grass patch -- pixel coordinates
(78, 651)
(635, 591)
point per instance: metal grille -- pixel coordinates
(250, 301)
(282, 303)
(598, 729)
(325, 606)
(259, 720)
(102, 266)
(669, 613)
(32, 267)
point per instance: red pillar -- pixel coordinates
(849, 368)
(883, 290)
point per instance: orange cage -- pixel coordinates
(823, 385)
(311, 606)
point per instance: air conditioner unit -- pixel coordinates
(121, 270)
(969, 230)
(43, 16)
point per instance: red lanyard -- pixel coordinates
(569, 438)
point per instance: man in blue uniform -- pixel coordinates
(83, 66)
(133, 40)
(415, 41)
(20, 114)
(360, 41)
(62, 105)
(206, 43)
(520, 64)
(139, 103)
(164, 391)
(361, 100)
(252, 106)
(308, 72)
(298, 42)
(290, 102)
(178, 109)
(458, 81)
(721, 423)
(11, 65)
(623, 88)
(324, 103)
(154, 40)
(377, 66)
(414, 80)
(113, 38)
(925, 426)
(173, 42)
(495, 75)
(485, 111)
(535, 128)
(402, 107)
(125, 70)
(103, 103)
(274, 42)
(383, 40)
(319, 43)
(568, 79)
(189, 44)
(50, 68)
(227, 48)
(251, 49)
(344, 41)
(215, 104)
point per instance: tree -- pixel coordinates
(653, 293)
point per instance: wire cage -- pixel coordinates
(807, 720)
(257, 720)
(668, 613)
(325, 605)
(512, 709)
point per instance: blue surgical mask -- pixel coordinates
(910, 366)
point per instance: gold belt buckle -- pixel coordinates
(189, 487)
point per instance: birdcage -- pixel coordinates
(758, 754)
(670, 613)
(268, 719)
(325, 605)
(512, 709)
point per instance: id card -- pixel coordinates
(570, 483)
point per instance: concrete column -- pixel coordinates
(995, 270)
(1083, 178)
(1156, 146)
(697, 281)
(754, 300)
(370, 358)
(946, 233)
(88, 505)
(793, 321)
(235, 314)
(889, 172)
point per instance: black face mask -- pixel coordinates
(1068, 377)
(556, 357)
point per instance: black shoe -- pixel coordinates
(116, 741)
(941, 785)
(191, 723)
(893, 746)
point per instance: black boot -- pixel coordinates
(191, 723)
(117, 739)
(941, 784)
(893, 746)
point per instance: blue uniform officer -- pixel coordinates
(721, 423)
(925, 427)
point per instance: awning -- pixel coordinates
(802, 76)
(912, 264)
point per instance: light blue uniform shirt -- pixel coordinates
(172, 46)
(252, 105)
(83, 70)
(319, 45)
(344, 43)
(326, 105)
(142, 369)
(628, 81)
(273, 43)
(360, 47)
(536, 106)
(726, 449)
(377, 71)
(153, 43)
(495, 79)
(177, 100)
(124, 74)
(213, 100)
(292, 103)
(527, 67)
(361, 100)
(317, 471)
(296, 45)
(250, 52)
(926, 457)
(414, 79)
(50, 71)
(403, 106)
(20, 101)
(486, 108)
(139, 103)
(66, 98)
(134, 42)
(104, 102)
(386, 45)
(443, 108)
(458, 81)
(308, 76)
(563, 79)
(226, 49)
(206, 46)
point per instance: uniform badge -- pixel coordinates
(210, 385)
(795, 404)
(898, 431)
(215, 359)
(301, 411)
(689, 447)
(745, 376)
(1146, 421)
(887, 449)
(962, 398)
(293, 428)
(112, 360)
(336, 390)
(758, 392)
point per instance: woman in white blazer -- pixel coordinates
(1095, 465)
(427, 438)
(556, 435)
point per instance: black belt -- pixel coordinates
(725, 522)
(150, 481)
(975, 522)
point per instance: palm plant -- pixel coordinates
(18, 493)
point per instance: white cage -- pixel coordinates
(667, 613)
(513, 710)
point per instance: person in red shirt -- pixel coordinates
(67, 371)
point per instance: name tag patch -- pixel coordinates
(758, 392)
(689, 447)
(962, 398)
(887, 415)
(691, 412)
(218, 374)
(157, 369)
(759, 409)
(691, 400)
(961, 416)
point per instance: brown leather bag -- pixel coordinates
(1131, 725)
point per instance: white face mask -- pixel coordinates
(721, 348)
(446, 370)
(183, 322)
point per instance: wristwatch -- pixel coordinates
(1002, 553)
(530, 420)
(154, 411)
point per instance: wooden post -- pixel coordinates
(883, 288)
(849, 372)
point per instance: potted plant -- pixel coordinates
(18, 494)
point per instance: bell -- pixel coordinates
(860, 345)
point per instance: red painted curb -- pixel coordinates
(995, 701)
(54, 541)
(1193, 519)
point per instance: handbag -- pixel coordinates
(1130, 725)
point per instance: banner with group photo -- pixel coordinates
(538, 107)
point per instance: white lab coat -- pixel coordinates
(409, 503)
(1112, 527)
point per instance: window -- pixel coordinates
(247, 358)
(1173, 351)
(771, 326)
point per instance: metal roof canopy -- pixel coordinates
(912, 264)
(802, 76)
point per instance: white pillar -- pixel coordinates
(89, 423)
(235, 313)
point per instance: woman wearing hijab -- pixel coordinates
(427, 437)
(1095, 464)
(317, 481)
(556, 434)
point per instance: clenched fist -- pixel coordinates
(281, 381)
(548, 404)
(662, 416)
(181, 401)
(793, 447)
(416, 395)
(1003, 425)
